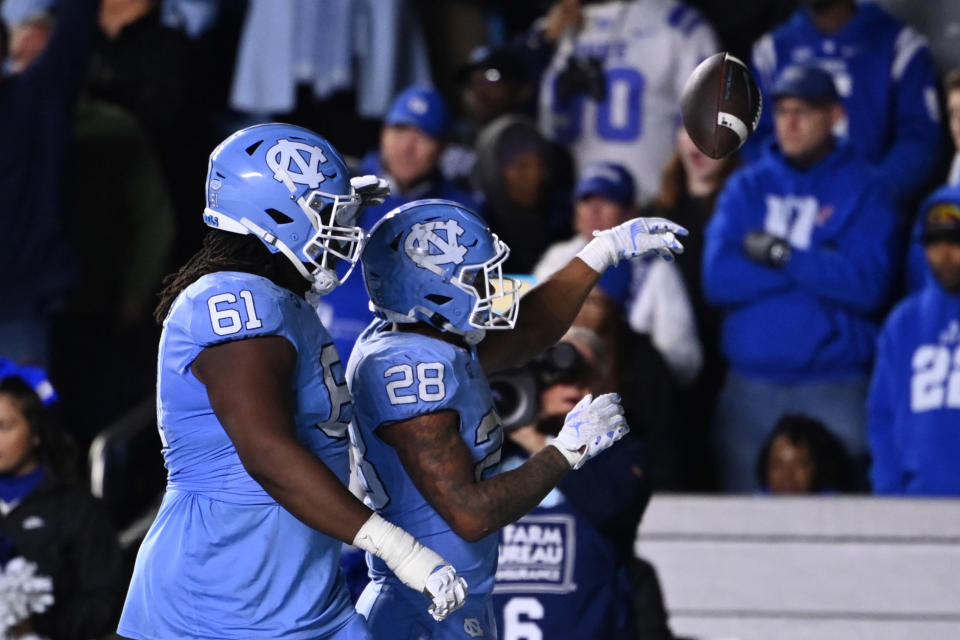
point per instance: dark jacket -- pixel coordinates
(36, 262)
(66, 532)
(528, 231)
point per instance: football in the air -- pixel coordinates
(720, 105)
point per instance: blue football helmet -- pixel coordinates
(290, 188)
(437, 262)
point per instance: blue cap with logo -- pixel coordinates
(807, 82)
(421, 107)
(606, 179)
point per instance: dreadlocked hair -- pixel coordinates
(225, 251)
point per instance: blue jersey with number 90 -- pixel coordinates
(223, 559)
(397, 376)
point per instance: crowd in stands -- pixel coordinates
(807, 341)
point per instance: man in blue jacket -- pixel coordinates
(914, 404)
(799, 255)
(886, 79)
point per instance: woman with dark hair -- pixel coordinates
(802, 456)
(49, 519)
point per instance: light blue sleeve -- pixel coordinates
(403, 379)
(223, 307)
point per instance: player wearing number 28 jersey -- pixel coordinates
(426, 434)
(253, 409)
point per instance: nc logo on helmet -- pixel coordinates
(426, 247)
(285, 156)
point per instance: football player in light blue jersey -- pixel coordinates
(253, 409)
(426, 434)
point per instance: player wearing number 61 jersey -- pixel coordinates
(426, 434)
(253, 408)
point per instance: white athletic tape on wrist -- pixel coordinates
(599, 253)
(408, 559)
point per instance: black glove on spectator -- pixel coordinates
(767, 249)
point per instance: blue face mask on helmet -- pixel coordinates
(290, 188)
(434, 261)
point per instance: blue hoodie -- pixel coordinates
(887, 79)
(816, 318)
(918, 271)
(913, 410)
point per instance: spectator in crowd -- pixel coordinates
(136, 217)
(49, 517)
(800, 256)
(614, 82)
(515, 173)
(494, 84)
(914, 402)
(648, 297)
(951, 90)
(691, 183)
(918, 269)
(564, 568)
(37, 266)
(886, 79)
(412, 138)
(156, 73)
(802, 456)
(112, 301)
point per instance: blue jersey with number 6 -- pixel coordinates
(397, 376)
(223, 559)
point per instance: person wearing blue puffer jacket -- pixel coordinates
(799, 256)
(914, 403)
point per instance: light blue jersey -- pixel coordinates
(223, 559)
(396, 376)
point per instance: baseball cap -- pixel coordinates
(497, 63)
(607, 179)
(807, 82)
(941, 216)
(421, 107)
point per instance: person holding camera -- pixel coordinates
(611, 89)
(567, 568)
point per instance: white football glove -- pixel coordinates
(592, 426)
(633, 238)
(371, 189)
(447, 590)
